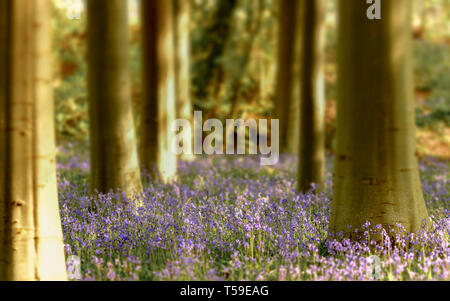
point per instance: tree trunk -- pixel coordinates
(31, 242)
(184, 107)
(114, 159)
(312, 95)
(293, 123)
(286, 50)
(158, 82)
(376, 174)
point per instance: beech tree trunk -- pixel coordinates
(285, 77)
(293, 127)
(158, 111)
(114, 158)
(184, 108)
(312, 95)
(376, 173)
(31, 242)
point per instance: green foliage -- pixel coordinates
(432, 75)
(431, 62)
(71, 110)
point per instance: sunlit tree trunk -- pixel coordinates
(286, 51)
(114, 159)
(184, 109)
(31, 243)
(158, 111)
(376, 174)
(312, 95)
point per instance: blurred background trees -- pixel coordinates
(288, 16)
(158, 111)
(113, 147)
(220, 34)
(182, 36)
(312, 95)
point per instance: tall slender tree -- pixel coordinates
(312, 94)
(184, 109)
(376, 174)
(31, 244)
(287, 32)
(293, 123)
(114, 158)
(158, 111)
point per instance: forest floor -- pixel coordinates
(230, 219)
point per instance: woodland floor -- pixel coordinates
(230, 219)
